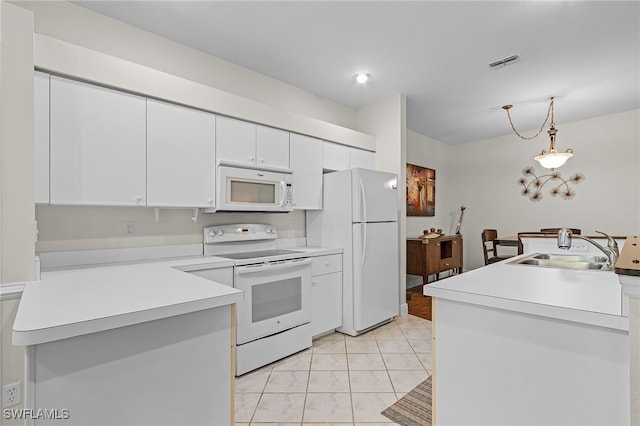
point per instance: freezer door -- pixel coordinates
(374, 195)
(375, 273)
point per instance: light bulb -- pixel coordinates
(362, 78)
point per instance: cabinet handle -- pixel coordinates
(261, 160)
(252, 159)
(138, 199)
(313, 283)
(327, 263)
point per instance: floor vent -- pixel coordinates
(505, 61)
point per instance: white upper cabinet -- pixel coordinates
(362, 159)
(335, 156)
(97, 145)
(249, 144)
(306, 163)
(180, 156)
(272, 147)
(41, 136)
(235, 141)
(343, 157)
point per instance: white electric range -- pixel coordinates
(273, 321)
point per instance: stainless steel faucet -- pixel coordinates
(612, 252)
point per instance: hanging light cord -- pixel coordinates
(549, 113)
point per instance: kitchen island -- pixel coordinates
(130, 344)
(519, 344)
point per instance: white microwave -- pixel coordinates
(246, 189)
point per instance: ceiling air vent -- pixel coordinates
(505, 61)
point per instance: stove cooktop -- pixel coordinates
(256, 254)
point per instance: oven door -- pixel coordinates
(277, 297)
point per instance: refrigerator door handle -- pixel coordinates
(364, 243)
(364, 202)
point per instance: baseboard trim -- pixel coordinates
(404, 309)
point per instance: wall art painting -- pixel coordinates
(421, 191)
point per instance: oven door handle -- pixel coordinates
(249, 269)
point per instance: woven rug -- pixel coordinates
(413, 409)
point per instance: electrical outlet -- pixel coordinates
(129, 229)
(11, 394)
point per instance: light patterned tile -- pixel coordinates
(367, 362)
(402, 362)
(299, 361)
(329, 346)
(420, 346)
(328, 407)
(252, 382)
(245, 406)
(395, 347)
(280, 407)
(323, 361)
(405, 380)
(389, 331)
(370, 381)
(329, 381)
(417, 333)
(362, 347)
(426, 360)
(287, 381)
(368, 406)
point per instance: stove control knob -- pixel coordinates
(273, 231)
(219, 233)
(212, 234)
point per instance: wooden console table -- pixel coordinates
(430, 256)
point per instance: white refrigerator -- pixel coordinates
(360, 214)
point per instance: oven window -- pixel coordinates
(252, 192)
(273, 299)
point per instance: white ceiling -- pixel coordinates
(585, 53)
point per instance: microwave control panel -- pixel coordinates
(288, 195)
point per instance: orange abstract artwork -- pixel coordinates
(421, 191)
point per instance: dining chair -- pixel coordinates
(490, 247)
(555, 230)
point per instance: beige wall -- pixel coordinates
(74, 24)
(386, 120)
(427, 152)
(606, 150)
(17, 226)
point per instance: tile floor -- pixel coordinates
(340, 380)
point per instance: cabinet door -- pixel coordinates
(326, 306)
(97, 145)
(306, 164)
(272, 147)
(41, 137)
(363, 159)
(433, 257)
(235, 141)
(180, 156)
(335, 156)
(457, 252)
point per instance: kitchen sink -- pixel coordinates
(564, 261)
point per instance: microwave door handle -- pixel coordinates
(282, 189)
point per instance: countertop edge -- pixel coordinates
(59, 332)
(547, 311)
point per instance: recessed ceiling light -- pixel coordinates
(362, 78)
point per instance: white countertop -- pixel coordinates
(589, 297)
(73, 302)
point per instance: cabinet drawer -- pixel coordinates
(326, 264)
(446, 264)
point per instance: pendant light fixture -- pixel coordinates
(551, 159)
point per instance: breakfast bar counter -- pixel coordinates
(521, 344)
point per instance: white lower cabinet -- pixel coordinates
(326, 294)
